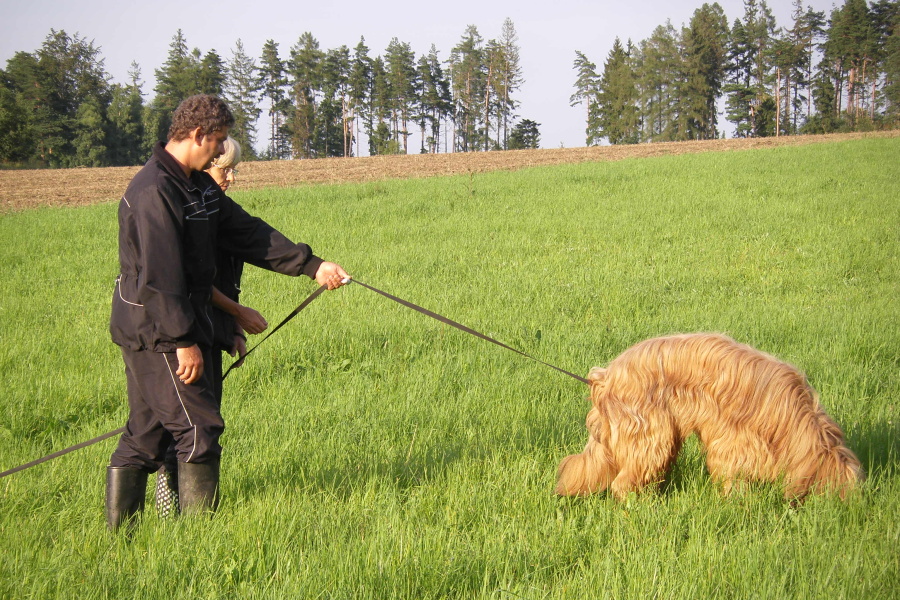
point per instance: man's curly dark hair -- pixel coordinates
(209, 113)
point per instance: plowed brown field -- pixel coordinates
(71, 187)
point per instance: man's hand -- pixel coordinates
(331, 274)
(190, 364)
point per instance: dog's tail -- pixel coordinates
(596, 375)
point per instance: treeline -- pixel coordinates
(59, 107)
(819, 75)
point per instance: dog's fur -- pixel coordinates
(756, 416)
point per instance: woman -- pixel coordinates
(223, 168)
(231, 322)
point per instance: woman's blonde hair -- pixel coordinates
(231, 156)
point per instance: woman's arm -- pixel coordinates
(248, 319)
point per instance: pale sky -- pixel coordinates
(549, 34)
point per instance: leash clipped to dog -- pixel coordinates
(462, 327)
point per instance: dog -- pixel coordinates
(757, 418)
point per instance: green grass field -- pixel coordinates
(372, 452)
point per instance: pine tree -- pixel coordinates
(179, 78)
(493, 59)
(305, 70)
(210, 73)
(125, 122)
(803, 36)
(401, 73)
(586, 92)
(703, 56)
(885, 15)
(750, 105)
(89, 143)
(467, 79)
(739, 103)
(783, 59)
(381, 139)
(434, 100)
(242, 87)
(69, 73)
(272, 82)
(852, 46)
(43, 94)
(825, 119)
(617, 100)
(892, 71)
(336, 131)
(525, 135)
(657, 70)
(763, 31)
(511, 77)
(360, 90)
(176, 79)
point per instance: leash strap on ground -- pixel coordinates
(302, 305)
(462, 327)
(99, 438)
(110, 434)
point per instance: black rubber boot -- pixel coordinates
(125, 491)
(198, 487)
(167, 492)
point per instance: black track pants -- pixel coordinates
(161, 408)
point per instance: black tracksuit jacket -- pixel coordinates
(170, 229)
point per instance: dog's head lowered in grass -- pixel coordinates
(757, 419)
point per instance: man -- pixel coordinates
(172, 220)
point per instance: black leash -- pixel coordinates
(302, 305)
(109, 434)
(293, 314)
(99, 438)
(461, 327)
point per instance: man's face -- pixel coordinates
(211, 146)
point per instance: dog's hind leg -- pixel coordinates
(735, 457)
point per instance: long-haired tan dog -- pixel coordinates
(756, 416)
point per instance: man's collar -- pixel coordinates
(171, 164)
